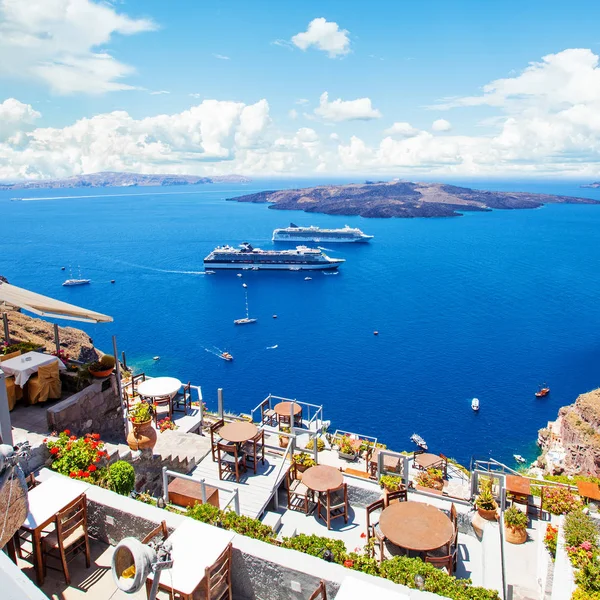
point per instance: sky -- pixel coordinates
(330, 87)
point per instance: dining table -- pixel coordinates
(45, 501)
(284, 412)
(322, 478)
(238, 432)
(24, 366)
(415, 526)
(155, 387)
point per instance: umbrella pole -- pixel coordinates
(6, 330)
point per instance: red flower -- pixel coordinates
(348, 563)
(67, 432)
(80, 473)
(54, 450)
(363, 535)
(96, 436)
(86, 473)
(45, 440)
(73, 437)
(92, 468)
(72, 475)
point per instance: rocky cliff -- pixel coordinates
(575, 437)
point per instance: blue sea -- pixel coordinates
(487, 305)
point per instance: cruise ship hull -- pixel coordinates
(320, 239)
(274, 267)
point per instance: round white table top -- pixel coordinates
(159, 386)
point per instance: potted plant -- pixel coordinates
(515, 525)
(303, 461)
(390, 483)
(431, 480)
(284, 439)
(486, 503)
(142, 435)
(103, 367)
(346, 449)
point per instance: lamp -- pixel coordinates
(160, 502)
(327, 555)
(419, 581)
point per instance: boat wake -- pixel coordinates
(272, 347)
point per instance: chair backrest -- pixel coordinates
(71, 517)
(227, 448)
(320, 593)
(135, 380)
(371, 508)
(400, 494)
(454, 516)
(10, 355)
(49, 372)
(160, 530)
(441, 561)
(218, 576)
(161, 400)
(30, 481)
(214, 428)
(187, 391)
(338, 497)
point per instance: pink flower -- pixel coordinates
(586, 545)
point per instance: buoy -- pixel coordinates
(376, 333)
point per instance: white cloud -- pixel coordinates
(293, 114)
(221, 57)
(195, 95)
(360, 109)
(57, 42)
(159, 93)
(324, 35)
(16, 117)
(441, 125)
(302, 101)
(401, 129)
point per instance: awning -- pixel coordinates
(47, 307)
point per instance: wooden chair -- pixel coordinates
(454, 517)
(229, 460)
(23, 535)
(217, 578)
(336, 505)
(14, 392)
(45, 384)
(215, 438)
(255, 449)
(442, 562)
(267, 415)
(320, 593)
(401, 495)
(69, 537)
(183, 397)
(160, 530)
(4, 357)
(373, 530)
(444, 465)
(160, 402)
(297, 491)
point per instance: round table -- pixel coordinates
(238, 432)
(428, 460)
(159, 386)
(284, 410)
(415, 526)
(322, 478)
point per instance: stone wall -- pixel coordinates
(97, 409)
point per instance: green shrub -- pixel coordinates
(320, 445)
(391, 483)
(515, 518)
(581, 594)
(121, 478)
(315, 545)
(22, 346)
(579, 528)
(560, 501)
(588, 578)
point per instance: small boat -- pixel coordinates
(519, 459)
(294, 268)
(62, 268)
(226, 356)
(308, 279)
(255, 268)
(77, 282)
(209, 272)
(274, 316)
(543, 391)
(475, 404)
(156, 358)
(246, 320)
(418, 440)
(239, 274)
(376, 333)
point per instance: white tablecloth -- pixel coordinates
(159, 386)
(353, 588)
(23, 369)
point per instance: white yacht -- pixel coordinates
(475, 404)
(77, 281)
(293, 233)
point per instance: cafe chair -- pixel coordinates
(215, 438)
(183, 398)
(229, 460)
(267, 415)
(442, 562)
(160, 402)
(23, 535)
(254, 449)
(10, 355)
(14, 392)
(320, 593)
(69, 538)
(46, 384)
(335, 503)
(401, 495)
(373, 530)
(216, 584)
(299, 496)
(160, 530)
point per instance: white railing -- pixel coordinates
(315, 409)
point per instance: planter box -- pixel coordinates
(349, 457)
(423, 488)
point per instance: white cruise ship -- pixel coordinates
(293, 233)
(247, 257)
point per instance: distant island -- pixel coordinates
(595, 184)
(117, 179)
(401, 199)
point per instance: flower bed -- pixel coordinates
(560, 501)
(550, 540)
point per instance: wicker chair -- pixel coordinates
(335, 503)
(373, 530)
(45, 384)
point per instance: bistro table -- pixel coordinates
(238, 432)
(322, 478)
(415, 526)
(194, 547)
(24, 366)
(426, 460)
(284, 411)
(518, 488)
(45, 501)
(159, 386)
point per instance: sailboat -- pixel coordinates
(246, 320)
(80, 281)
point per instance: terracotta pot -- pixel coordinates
(301, 468)
(283, 441)
(142, 436)
(424, 488)
(488, 515)
(99, 374)
(515, 535)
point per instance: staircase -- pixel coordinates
(181, 450)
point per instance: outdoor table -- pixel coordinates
(194, 547)
(518, 487)
(24, 366)
(159, 386)
(589, 490)
(428, 460)
(238, 432)
(353, 588)
(390, 463)
(284, 411)
(322, 478)
(45, 501)
(416, 526)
